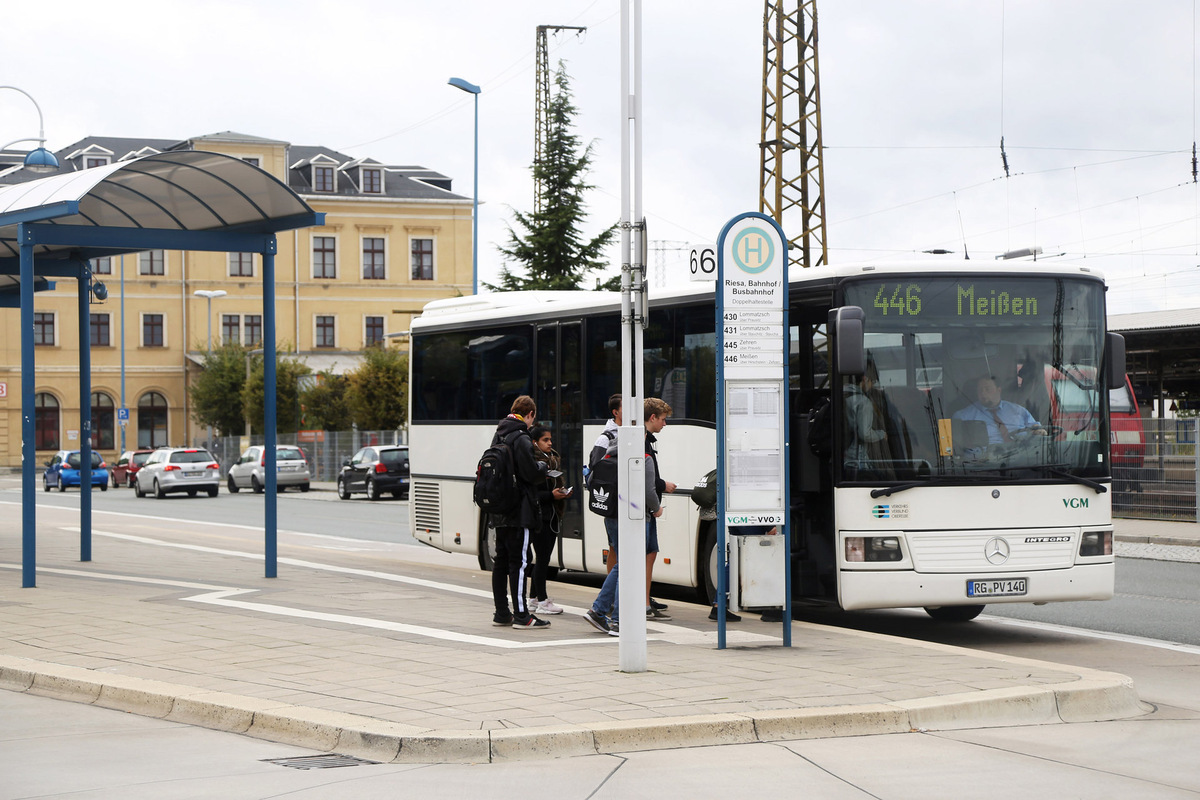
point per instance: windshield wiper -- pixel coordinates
(1057, 471)
(932, 480)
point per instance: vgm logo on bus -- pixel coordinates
(881, 512)
(1075, 502)
(753, 250)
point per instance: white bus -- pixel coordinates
(932, 515)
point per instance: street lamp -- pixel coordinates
(209, 295)
(459, 83)
(41, 159)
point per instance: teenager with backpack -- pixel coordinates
(552, 499)
(516, 520)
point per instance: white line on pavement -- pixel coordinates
(1091, 634)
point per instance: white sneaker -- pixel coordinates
(547, 607)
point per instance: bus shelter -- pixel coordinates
(178, 200)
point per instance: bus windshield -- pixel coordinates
(976, 376)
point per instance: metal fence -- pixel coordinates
(326, 450)
(1164, 485)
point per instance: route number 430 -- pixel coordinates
(902, 299)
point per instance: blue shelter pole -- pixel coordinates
(85, 414)
(28, 450)
(269, 416)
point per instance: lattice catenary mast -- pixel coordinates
(793, 190)
(541, 101)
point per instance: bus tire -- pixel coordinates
(954, 613)
(706, 581)
(487, 544)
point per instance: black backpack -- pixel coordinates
(602, 483)
(496, 490)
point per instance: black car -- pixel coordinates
(375, 470)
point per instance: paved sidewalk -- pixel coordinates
(396, 660)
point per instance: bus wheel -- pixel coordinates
(706, 585)
(487, 544)
(954, 613)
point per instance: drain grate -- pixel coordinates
(327, 761)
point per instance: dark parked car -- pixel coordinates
(375, 470)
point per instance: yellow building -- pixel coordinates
(394, 239)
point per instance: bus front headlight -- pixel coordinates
(1096, 543)
(863, 549)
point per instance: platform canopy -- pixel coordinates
(172, 200)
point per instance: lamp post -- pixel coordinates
(459, 83)
(40, 159)
(209, 295)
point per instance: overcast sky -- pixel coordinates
(1096, 101)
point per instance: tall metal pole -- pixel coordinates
(475, 209)
(269, 381)
(125, 424)
(85, 412)
(28, 432)
(631, 513)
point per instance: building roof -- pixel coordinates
(399, 182)
(1155, 320)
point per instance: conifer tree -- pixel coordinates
(550, 250)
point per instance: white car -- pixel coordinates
(178, 469)
(291, 469)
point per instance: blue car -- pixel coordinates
(63, 471)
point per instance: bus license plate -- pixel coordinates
(1007, 587)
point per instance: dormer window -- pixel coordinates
(322, 179)
(94, 161)
(372, 180)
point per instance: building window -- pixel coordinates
(94, 161)
(422, 259)
(323, 179)
(253, 329)
(153, 334)
(230, 328)
(324, 257)
(373, 331)
(241, 265)
(103, 426)
(101, 332)
(372, 180)
(102, 266)
(326, 330)
(373, 258)
(45, 422)
(152, 420)
(151, 262)
(43, 329)
(252, 160)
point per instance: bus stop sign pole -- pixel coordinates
(754, 564)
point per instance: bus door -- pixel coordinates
(560, 407)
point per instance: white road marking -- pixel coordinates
(221, 596)
(1091, 634)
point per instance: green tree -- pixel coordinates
(377, 392)
(324, 406)
(287, 393)
(216, 390)
(551, 251)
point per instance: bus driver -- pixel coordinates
(1003, 419)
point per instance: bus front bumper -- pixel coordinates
(863, 589)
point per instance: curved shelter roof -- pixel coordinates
(186, 190)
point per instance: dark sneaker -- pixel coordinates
(654, 615)
(614, 628)
(729, 615)
(596, 620)
(655, 604)
(530, 622)
(502, 620)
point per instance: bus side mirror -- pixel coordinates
(1114, 360)
(848, 327)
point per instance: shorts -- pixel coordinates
(610, 528)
